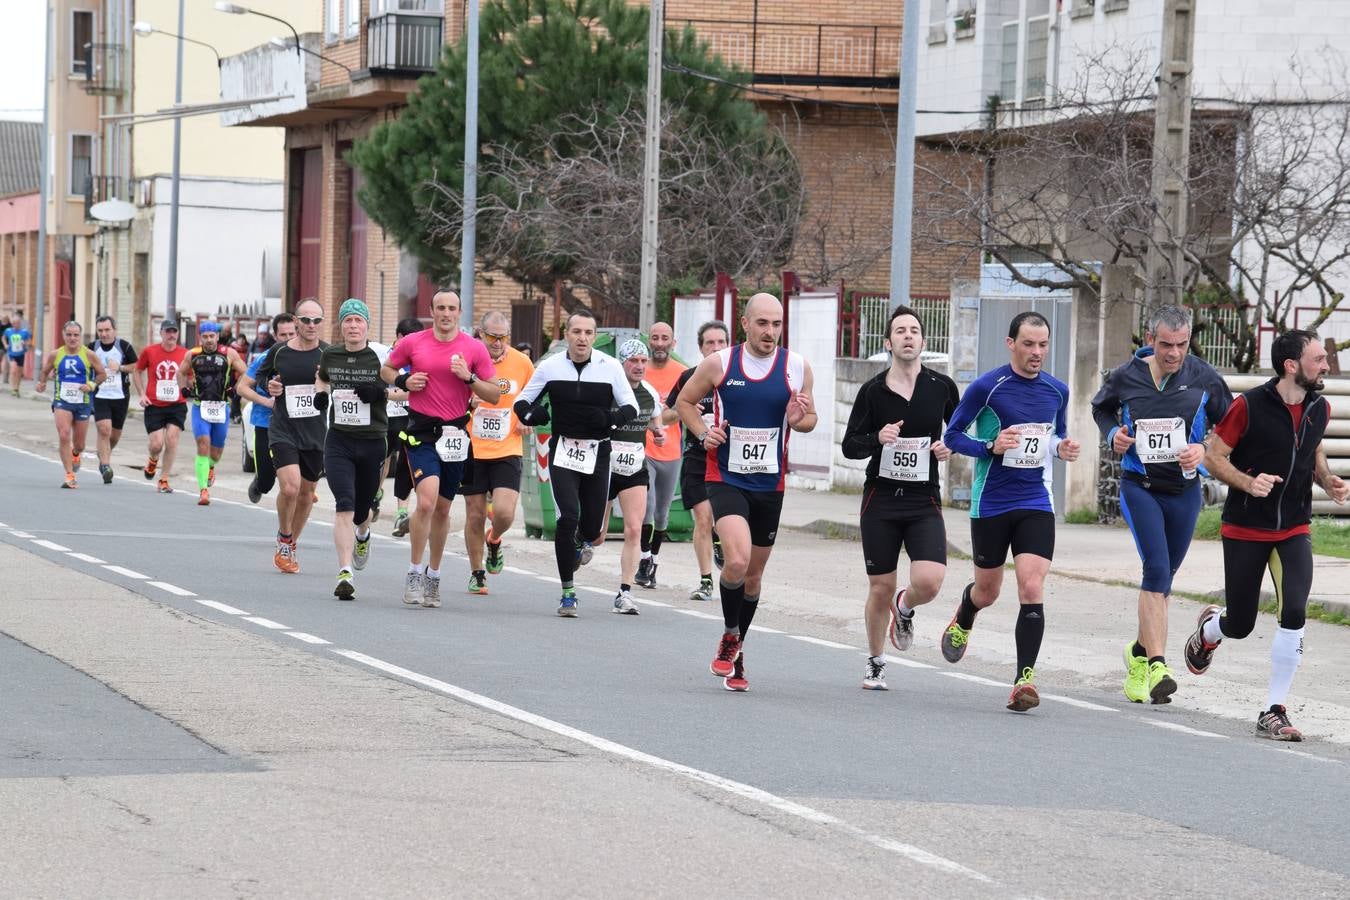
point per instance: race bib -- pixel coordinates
(300, 401)
(626, 458)
(1033, 447)
(70, 393)
(110, 388)
(166, 391)
(453, 445)
(16, 343)
(396, 408)
(906, 459)
(753, 451)
(576, 454)
(1159, 440)
(349, 409)
(491, 424)
(213, 411)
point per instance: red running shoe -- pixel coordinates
(736, 680)
(727, 652)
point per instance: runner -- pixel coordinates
(295, 438)
(760, 391)
(1154, 411)
(206, 379)
(113, 396)
(397, 410)
(1017, 414)
(590, 396)
(628, 477)
(18, 340)
(1274, 431)
(896, 424)
(712, 337)
(77, 372)
(663, 457)
(260, 416)
(445, 368)
(497, 447)
(355, 451)
(156, 378)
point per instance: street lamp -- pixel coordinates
(145, 29)
(283, 44)
(235, 9)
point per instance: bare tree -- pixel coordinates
(726, 205)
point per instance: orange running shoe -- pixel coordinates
(150, 466)
(70, 481)
(205, 498)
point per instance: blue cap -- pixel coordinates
(209, 328)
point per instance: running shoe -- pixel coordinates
(1024, 696)
(728, 649)
(345, 589)
(401, 523)
(477, 583)
(107, 473)
(643, 577)
(718, 558)
(1200, 652)
(164, 486)
(254, 492)
(567, 606)
(70, 483)
(361, 552)
(650, 583)
(1161, 684)
(624, 605)
(204, 498)
(412, 589)
(704, 592)
(1274, 724)
(295, 558)
(1136, 676)
(75, 461)
(495, 560)
(431, 591)
(375, 506)
(150, 466)
(875, 679)
(736, 680)
(211, 477)
(902, 627)
(585, 553)
(284, 558)
(954, 641)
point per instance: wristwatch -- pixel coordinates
(473, 377)
(989, 446)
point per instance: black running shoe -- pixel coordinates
(717, 554)
(644, 574)
(1199, 652)
(1274, 724)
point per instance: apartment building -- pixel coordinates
(20, 207)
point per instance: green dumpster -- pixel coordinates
(536, 495)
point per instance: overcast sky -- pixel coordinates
(21, 56)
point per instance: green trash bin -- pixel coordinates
(536, 494)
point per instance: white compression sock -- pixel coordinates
(1286, 652)
(1211, 632)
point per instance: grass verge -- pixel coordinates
(1329, 536)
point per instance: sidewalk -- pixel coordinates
(1100, 553)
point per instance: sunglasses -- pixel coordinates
(496, 337)
(309, 320)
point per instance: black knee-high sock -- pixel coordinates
(658, 536)
(965, 613)
(565, 548)
(1030, 630)
(646, 541)
(748, 609)
(733, 598)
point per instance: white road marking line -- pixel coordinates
(745, 791)
(21, 534)
(517, 571)
(51, 545)
(582, 587)
(1081, 704)
(901, 661)
(3, 525)
(697, 615)
(85, 557)
(1185, 729)
(1305, 755)
(977, 679)
(172, 589)
(307, 638)
(819, 641)
(766, 629)
(655, 603)
(266, 623)
(222, 607)
(129, 573)
(543, 578)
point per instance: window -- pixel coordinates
(81, 36)
(353, 18)
(938, 14)
(380, 7)
(332, 20)
(81, 162)
(1007, 85)
(1038, 45)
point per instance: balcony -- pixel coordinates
(269, 71)
(403, 43)
(98, 188)
(105, 68)
(802, 54)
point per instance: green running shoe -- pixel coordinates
(1161, 684)
(495, 560)
(345, 589)
(361, 552)
(1024, 695)
(954, 641)
(1136, 676)
(477, 583)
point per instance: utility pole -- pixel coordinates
(468, 247)
(44, 195)
(651, 168)
(171, 305)
(1171, 154)
(902, 201)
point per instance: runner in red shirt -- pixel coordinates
(156, 378)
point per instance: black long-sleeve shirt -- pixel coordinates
(934, 400)
(587, 399)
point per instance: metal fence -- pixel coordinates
(864, 320)
(1215, 346)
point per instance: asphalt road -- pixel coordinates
(933, 780)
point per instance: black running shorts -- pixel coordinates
(157, 417)
(762, 509)
(620, 483)
(1024, 530)
(485, 475)
(116, 410)
(891, 517)
(693, 489)
(309, 461)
